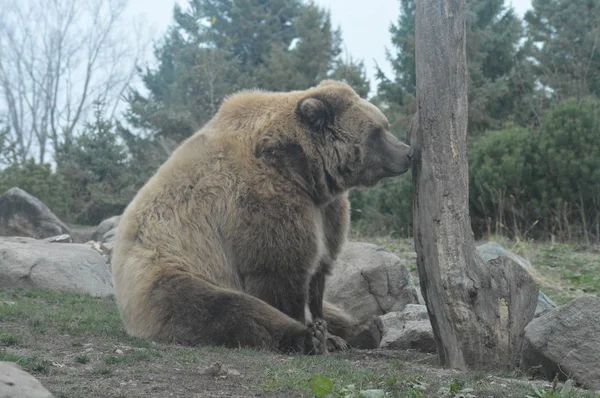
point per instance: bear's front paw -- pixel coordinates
(315, 342)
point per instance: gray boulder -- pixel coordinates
(566, 342)
(368, 280)
(15, 382)
(30, 263)
(492, 251)
(22, 214)
(409, 329)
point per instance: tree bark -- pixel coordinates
(478, 313)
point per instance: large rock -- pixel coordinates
(16, 383)
(30, 263)
(22, 214)
(409, 329)
(566, 341)
(368, 280)
(492, 251)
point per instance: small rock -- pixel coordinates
(218, 370)
(372, 393)
(368, 280)
(566, 342)
(409, 329)
(544, 305)
(15, 382)
(64, 238)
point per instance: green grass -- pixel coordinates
(9, 339)
(132, 357)
(295, 375)
(68, 313)
(33, 364)
(82, 359)
(568, 270)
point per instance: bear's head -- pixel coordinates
(351, 136)
(340, 141)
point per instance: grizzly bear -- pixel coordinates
(231, 241)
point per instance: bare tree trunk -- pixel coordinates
(478, 313)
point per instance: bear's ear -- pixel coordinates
(316, 112)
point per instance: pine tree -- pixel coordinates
(217, 47)
(495, 63)
(565, 38)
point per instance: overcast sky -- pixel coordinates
(365, 24)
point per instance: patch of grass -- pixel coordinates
(82, 359)
(104, 371)
(30, 364)
(295, 375)
(187, 355)
(65, 312)
(131, 357)
(9, 339)
(564, 391)
(567, 271)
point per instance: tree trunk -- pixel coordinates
(478, 313)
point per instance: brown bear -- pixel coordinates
(230, 242)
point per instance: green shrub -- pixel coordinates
(540, 182)
(502, 167)
(385, 209)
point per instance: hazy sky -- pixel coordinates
(365, 24)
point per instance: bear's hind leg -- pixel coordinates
(365, 335)
(192, 311)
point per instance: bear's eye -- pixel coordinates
(376, 133)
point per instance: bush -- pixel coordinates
(384, 210)
(502, 166)
(540, 182)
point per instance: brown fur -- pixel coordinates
(235, 234)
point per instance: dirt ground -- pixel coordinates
(77, 347)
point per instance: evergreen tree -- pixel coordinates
(565, 38)
(95, 168)
(217, 47)
(496, 65)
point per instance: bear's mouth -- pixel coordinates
(392, 171)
